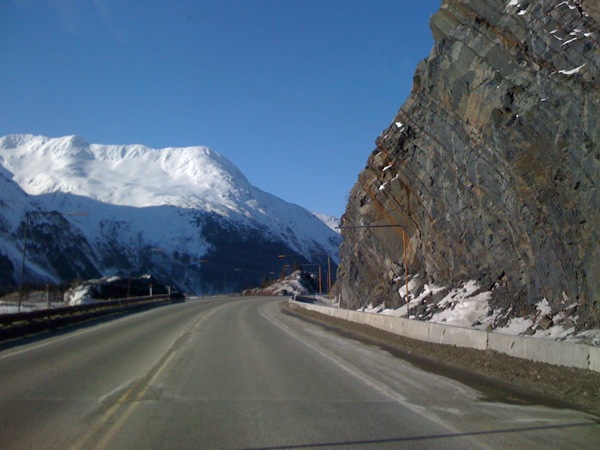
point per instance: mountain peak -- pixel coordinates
(130, 175)
(190, 202)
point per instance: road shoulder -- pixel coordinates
(499, 377)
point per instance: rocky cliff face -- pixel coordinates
(491, 168)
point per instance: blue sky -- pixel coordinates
(293, 92)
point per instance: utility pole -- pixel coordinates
(28, 215)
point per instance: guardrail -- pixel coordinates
(19, 324)
(534, 349)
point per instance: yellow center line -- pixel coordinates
(141, 388)
(102, 443)
(105, 418)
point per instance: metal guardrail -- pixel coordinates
(12, 325)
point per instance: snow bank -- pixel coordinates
(468, 306)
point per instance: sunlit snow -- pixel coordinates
(138, 199)
(572, 71)
(468, 306)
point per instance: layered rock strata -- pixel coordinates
(490, 170)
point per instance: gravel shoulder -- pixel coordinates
(497, 376)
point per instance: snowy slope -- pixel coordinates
(182, 201)
(332, 222)
(131, 175)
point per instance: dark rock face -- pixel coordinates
(491, 166)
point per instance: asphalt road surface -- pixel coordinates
(238, 373)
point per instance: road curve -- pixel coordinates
(239, 373)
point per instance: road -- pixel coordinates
(238, 373)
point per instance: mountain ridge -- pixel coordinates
(180, 202)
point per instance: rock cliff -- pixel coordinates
(490, 170)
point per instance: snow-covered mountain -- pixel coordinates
(330, 221)
(186, 214)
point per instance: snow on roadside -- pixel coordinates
(13, 308)
(468, 306)
(297, 283)
(464, 306)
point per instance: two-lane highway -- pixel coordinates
(238, 373)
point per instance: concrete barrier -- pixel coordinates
(342, 314)
(387, 323)
(415, 329)
(458, 336)
(534, 349)
(354, 316)
(595, 358)
(542, 350)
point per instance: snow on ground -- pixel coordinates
(293, 284)
(81, 296)
(467, 306)
(13, 308)
(464, 306)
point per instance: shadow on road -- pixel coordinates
(432, 437)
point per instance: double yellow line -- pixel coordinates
(103, 431)
(133, 397)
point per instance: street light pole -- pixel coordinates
(328, 269)
(28, 214)
(329, 276)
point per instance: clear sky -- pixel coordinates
(293, 92)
